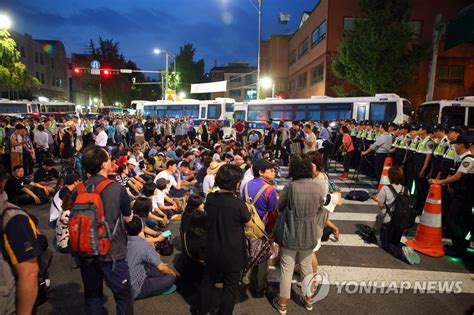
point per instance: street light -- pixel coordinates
(158, 51)
(259, 10)
(267, 83)
(5, 21)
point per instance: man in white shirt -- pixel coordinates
(41, 144)
(101, 138)
(168, 174)
(310, 139)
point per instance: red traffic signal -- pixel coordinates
(106, 72)
(77, 70)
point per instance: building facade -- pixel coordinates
(311, 48)
(241, 81)
(45, 60)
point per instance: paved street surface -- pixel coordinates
(354, 269)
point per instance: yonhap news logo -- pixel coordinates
(317, 286)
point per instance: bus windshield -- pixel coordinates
(383, 111)
(428, 113)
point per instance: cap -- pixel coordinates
(438, 127)
(228, 155)
(161, 153)
(194, 150)
(133, 162)
(217, 145)
(214, 167)
(262, 165)
(464, 139)
(457, 129)
(161, 183)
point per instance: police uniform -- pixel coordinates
(398, 153)
(459, 218)
(382, 148)
(424, 148)
(438, 153)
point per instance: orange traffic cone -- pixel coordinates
(429, 234)
(384, 181)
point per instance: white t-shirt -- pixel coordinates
(311, 138)
(164, 174)
(248, 176)
(158, 199)
(207, 183)
(101, 139)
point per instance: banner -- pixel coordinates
(220, 86)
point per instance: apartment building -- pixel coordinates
(241, 81)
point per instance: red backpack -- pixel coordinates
(89, 233)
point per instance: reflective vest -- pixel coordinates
(359, 134)
(396, 142)
(364, 134)
(353, 132)
(404, 142)
(414, 144)
(441, 148)
(2, 140)
(53, 127)
(450, 153)
(423, 146)
(371, 136)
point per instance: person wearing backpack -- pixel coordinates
(101, 252)
(391, 229)
(18, 258)
(260, 194)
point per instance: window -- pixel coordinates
(213, 111)
(235, 92)
(451, 74)
(13, 108)
(428, 113)
(58, 82)
(415, 27)
(22, 52)
(38, 76)
(383, 111)
(291, 85)
(302, 81)
(235, 79)
(292, 57)
(191, 111)
(52, 63)
(337, 111)
(303, 47)
(239, 114)
(42, 78)
(318, 34)
(470, 118)
(407, 109)
(453, 116)
(41, 59)
(349, 23)
(229, 107)
(36, 57)
(257, 113)
(203, 112)
(317, 73)
(250, 79)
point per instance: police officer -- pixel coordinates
(442, 146)
(421, 164)
(460, 181)
(399, 146)
(382, 148)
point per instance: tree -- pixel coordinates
(189, 71)
(12, 71)
(379, 54)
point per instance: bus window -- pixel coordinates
(239, 115)
(453, 116)
(175, 110)
(470, 118)
(214, 111)
(337, 111)
(229, 107)
(191, 111)
(407, 108)
(203, 112)
(428, 113)
(383, 111)
(314, 115)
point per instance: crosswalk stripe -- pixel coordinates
(352, 216)
(355, 241)
(371, 277)
(356, 202)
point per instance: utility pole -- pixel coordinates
(259, 41)
(166, 84)
(437, 31)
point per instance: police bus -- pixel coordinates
(380, 108)
(58, 108)
(110, 110)
(18, 108)
(219, 109)
(457, 112)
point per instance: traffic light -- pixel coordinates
(106, 72)
(77, 70)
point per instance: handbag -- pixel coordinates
(295, 148)
(259, 250)
(284, 229)
(165, 248)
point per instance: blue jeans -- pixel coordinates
(154, 283)
(117, 279)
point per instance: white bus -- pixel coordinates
(58, 108)
(380, 108)
(18, 108)
(219, 109)
(106, 110)
(457, 112)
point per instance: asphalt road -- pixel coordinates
(353, 267)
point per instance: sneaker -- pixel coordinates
(344, 177)
(412, 260)
(413, 254)
(308, 306)
(280, 308)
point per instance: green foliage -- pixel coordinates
(189, 71)
(12, 70)
(378, 56)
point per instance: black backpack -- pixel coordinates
(404, 208)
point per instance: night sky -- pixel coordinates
(221, 30)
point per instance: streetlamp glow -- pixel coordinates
(156, 51)
(5, 21)
(266, 83)
(182, 95)
(96, 100)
